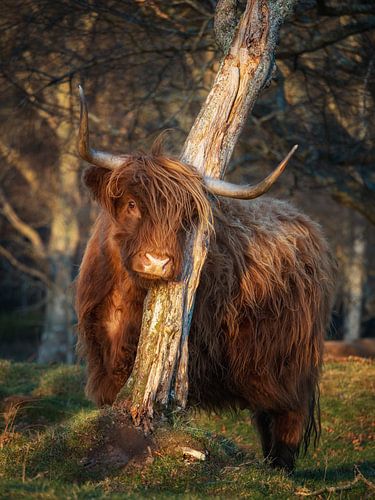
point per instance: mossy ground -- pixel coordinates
(48, 429)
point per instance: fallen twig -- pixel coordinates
(368, 483)
(359, 477)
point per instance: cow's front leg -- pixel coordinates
(101, 386)
(116, 365)
(105, 379)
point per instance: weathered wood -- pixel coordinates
(246, 69)
(160, 338)
(244, 72)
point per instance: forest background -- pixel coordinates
(147, 66)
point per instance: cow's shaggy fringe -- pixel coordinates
(262, 305)
(175, 193)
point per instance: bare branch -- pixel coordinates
(322, 39)
(345, 9)
(198, 7)
(22, 227)
(359, 477)
(226, 20)
(328, 489)
(24, 268)
(244, 72)
(15, 159)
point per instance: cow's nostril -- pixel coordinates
(157, 262)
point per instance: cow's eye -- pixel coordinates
(132, 205)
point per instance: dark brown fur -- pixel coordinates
(262, 305)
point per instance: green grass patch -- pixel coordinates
(48, 429)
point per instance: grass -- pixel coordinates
(20, 334)
(48, 430)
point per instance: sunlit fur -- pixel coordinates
(262, 305)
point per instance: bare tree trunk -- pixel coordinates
(355, 273)
(160, 371)
(57, 343)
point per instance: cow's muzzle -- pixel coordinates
(153, 266)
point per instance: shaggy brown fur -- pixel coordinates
(262, 305)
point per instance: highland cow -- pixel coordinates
(262, 305)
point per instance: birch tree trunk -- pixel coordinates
(160, 371)
(354, 276)
(57, 342)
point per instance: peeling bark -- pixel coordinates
(160, 371)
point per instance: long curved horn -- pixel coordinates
(98, 158)
(247, 191)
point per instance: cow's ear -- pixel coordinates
(96, 179)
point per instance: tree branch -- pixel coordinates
(359, 477)
(348, 9)
(24, 229)
(244, 72)
(14, 158)
(225, 24)
(321, 39)
(24, 268)
(350, 190)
